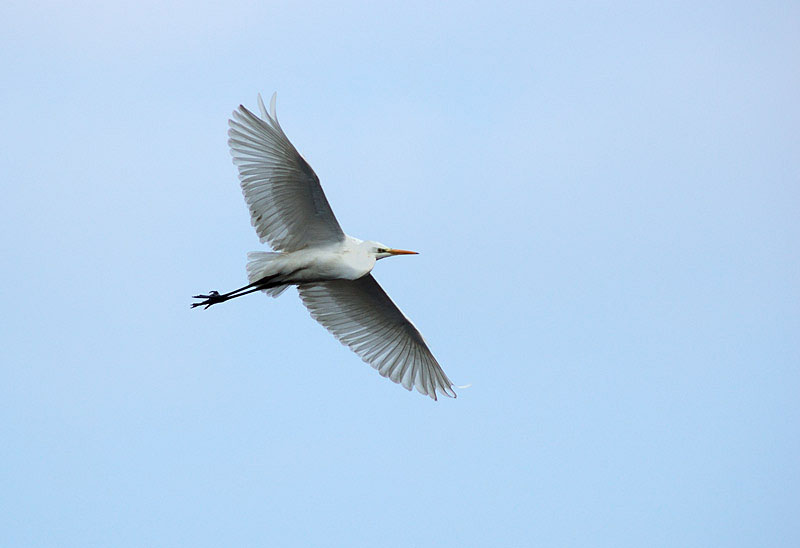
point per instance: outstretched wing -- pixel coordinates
(362, 316)
(287, 206)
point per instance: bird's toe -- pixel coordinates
(213, 297)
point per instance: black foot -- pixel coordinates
(212, 298)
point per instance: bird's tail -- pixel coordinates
(261, 264)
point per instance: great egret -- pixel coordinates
(330, 269)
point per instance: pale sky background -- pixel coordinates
(605, 197)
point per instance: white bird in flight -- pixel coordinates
(331, 270)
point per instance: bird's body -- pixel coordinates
(346, 260)
(330, 269)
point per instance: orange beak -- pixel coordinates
(402, 252)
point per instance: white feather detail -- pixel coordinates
(287, 206)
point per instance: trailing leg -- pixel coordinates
(215, 297)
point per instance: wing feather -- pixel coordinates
(362, 316)
(287, 206)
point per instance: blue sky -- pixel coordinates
(605, 200)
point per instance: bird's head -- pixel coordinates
(382, 251)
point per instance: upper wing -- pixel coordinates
(362, 316)
(287, 206)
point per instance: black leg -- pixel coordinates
(215, 297)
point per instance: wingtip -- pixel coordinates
(272, 102)
(444, 391)
(261, 107)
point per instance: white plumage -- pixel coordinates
(331, 270)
